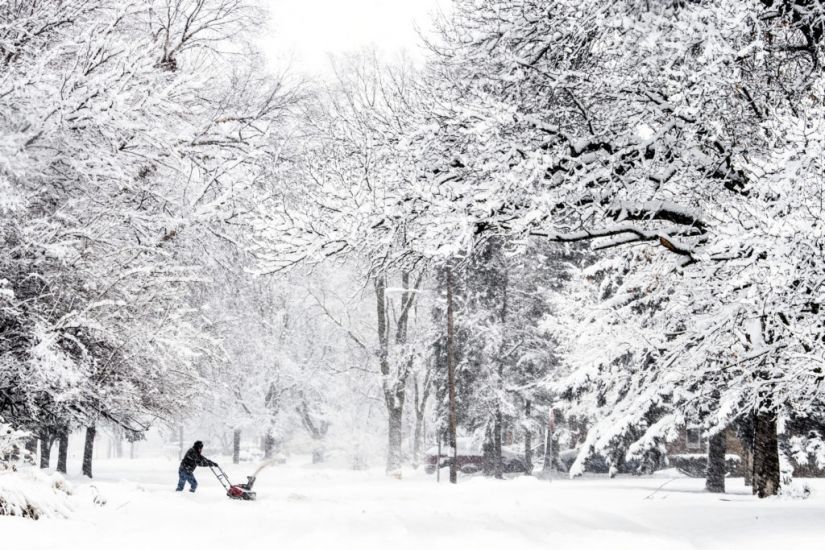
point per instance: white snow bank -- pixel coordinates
(301, 508)
(33, 493)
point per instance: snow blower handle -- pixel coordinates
(220, 474)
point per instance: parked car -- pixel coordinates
(470, 457)
(512, 457)
(595, 463)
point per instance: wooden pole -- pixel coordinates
(451, 377)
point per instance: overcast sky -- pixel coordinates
(305, 31)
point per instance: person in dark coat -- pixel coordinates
(191, 460)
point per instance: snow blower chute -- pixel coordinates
(241, 491)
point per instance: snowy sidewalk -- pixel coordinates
(316, 508)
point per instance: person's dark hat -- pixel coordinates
(198, 445)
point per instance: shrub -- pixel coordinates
(696, 465)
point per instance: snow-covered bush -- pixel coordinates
(35, 494)
(795, 489)
(12, 446)
(27, 491)
(696, 465)
(807, 453)
(791, 488)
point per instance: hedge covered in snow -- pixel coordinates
(12, 446)
(26, 491)
(32, 493)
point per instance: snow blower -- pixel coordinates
(241, 491)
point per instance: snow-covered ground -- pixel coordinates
(305, 507)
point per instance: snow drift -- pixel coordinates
(32, 493)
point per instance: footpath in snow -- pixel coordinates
(305, 507)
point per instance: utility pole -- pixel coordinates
(451, 377)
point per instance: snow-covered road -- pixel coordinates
(302, 507)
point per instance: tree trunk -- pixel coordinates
(747, 463)
(546, 464)
(394, 431)
(498, 464)
(45, 448)
(317, 430)
(745, 434)
(117, 441)
(528, 440)
(554, 450)
(488, 455)
(236, 447)
(715, 477)
(438, 461)
(394, 383)
(393, 466)
(269, 444)
(451, 378)
(31, 450)
(418, 436)
(765, 455)
(88, 450)
(181, 447)
(318, 455)
(551, 448)
(503, 283)
(421, 394)
(62, 449)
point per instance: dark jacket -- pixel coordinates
(192, 459)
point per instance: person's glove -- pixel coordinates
(213, 463)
